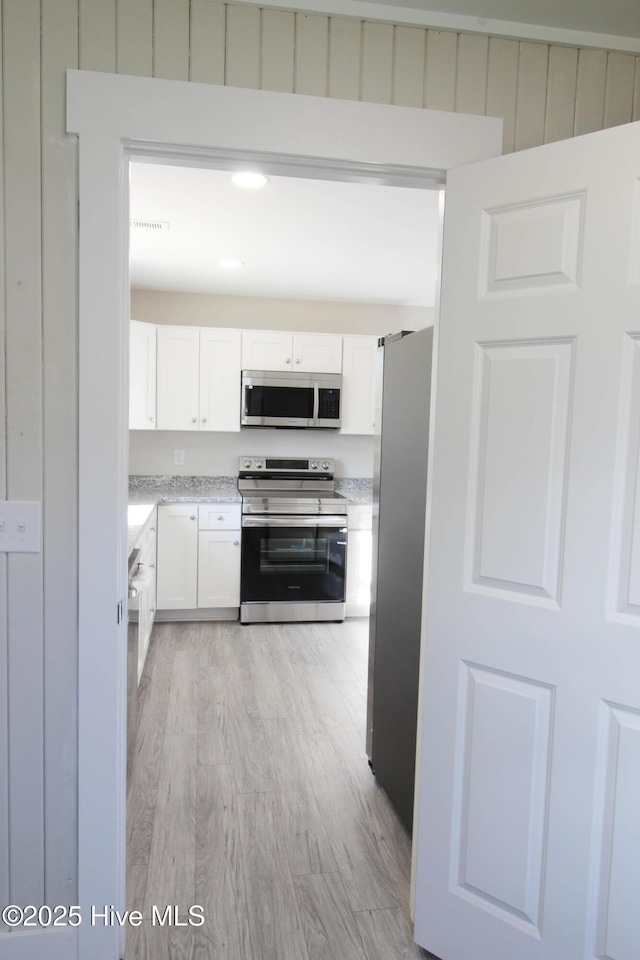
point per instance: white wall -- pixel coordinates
(544, 92)
(216, 454)
(266, 313)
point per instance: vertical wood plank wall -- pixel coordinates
(543, 92)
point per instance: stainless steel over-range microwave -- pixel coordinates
(273, 398)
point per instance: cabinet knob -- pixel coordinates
(192, 517)
(153, 419)
(288, 360)
(236, 542)
(194, 419)
(204, 419)
(297, 359)
(220, 517)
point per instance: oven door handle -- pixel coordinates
(318, 520)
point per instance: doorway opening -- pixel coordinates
(253, 693)
(116, 118)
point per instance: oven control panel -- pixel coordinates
(282, 465)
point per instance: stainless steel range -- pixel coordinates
(294, 541)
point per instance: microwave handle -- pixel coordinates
(316, 401)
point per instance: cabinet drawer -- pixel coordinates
(219, 516)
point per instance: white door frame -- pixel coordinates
(116, 117)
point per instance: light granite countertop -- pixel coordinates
(183, 490)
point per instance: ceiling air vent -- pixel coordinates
(150, 224)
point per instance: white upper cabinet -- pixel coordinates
(219, 379)
(266, 350)
(198, 378)
(304, 352)
(194, 372)
(178, 378)
(317, 352)
(359, 368)
(142, 376)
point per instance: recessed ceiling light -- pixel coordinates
(249, 180)
(230, 264)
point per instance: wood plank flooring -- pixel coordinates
(250, 795)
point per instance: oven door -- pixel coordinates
(293, 559)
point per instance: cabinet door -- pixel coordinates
(144, 629)
(266, 350)
(219, 379)
(317, 352)
(142, 376)
(178, 376)
(177, 563)
(148, 599)
(358, 585)
(359, 382)
(219, 568)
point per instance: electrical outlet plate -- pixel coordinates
(20, 526)
(178, 457)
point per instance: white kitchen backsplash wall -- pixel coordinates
(325, 316)
(151, 452)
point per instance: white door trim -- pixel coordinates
(113, 115)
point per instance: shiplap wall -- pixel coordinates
(543, 93)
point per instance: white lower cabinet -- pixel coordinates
(219, 568)
(145, 603)
(177, 556)
(147, 608)
(198, 556)
(359, 561)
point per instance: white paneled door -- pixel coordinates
(528, 837)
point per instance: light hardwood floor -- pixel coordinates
(250, 795)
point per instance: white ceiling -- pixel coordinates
(297, 238)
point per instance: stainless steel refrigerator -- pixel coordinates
(399, 507)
